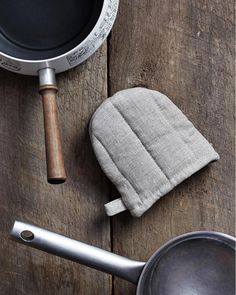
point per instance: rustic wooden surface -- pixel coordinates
(74, 208)
(184, 49)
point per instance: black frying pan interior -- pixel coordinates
(42, 29)
(193, 267)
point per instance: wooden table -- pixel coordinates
(184, 49)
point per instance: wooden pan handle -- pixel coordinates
(55, 163)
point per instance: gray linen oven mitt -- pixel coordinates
(146, 146)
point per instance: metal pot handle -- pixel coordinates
(91, 256)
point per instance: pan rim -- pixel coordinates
(212, 235)
(61, 56)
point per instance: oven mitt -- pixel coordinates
(146, 146)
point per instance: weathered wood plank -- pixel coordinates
(74, 208)
(184, 49)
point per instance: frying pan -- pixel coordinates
(43, 38)
(195, 263)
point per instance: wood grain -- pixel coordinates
(184, 49)
(54, 153)
(74, 208)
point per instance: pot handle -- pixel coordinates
(91, 256)
(55, 163)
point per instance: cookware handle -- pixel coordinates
(55, 163)
(91, 256)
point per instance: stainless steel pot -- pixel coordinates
(195, 263)
(48, 37)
